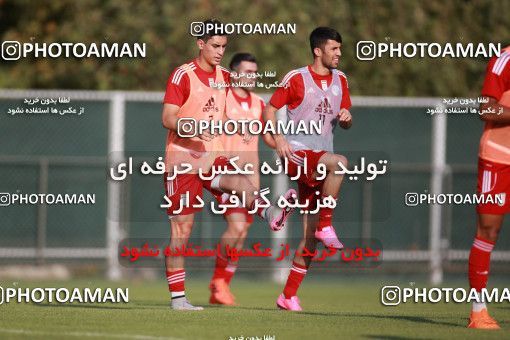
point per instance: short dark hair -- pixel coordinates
(238, 58)
(321, 35)
(215, 30)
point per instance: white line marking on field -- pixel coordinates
(86, 334)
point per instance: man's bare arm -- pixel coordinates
(282, 147)
(170, 120)
(269, 140)
(169, 116)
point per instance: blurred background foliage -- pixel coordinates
(164, 26)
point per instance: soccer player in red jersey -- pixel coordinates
(493, 179)
(315, 92)
(242, 104)
(193, 93)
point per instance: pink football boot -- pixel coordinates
(291, 304)
(328, 236)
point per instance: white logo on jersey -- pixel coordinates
(245, 106)
(502, 196)
(324, 85)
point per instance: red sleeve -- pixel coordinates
(226, 78)
(291, 92)
(226, 75)
(279, 97)
(177, 88)
(262, 106)
(346, 97)
(497, 77)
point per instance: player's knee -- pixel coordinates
(243, 234)
(341, 159)
(232, 182)
(181, 230)
(238, 235)
(236, 230)
(488, 231)
(335, 161)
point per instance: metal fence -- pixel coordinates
(431, 163)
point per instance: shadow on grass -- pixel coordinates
(393, 337)
(103, 307)
(417, 319)
(136, 305)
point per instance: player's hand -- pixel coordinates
(206, 136)
(247, 137)
(345, 118)
(283, 148)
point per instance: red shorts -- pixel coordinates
(493, 179)
(307, 185)
(187, 188)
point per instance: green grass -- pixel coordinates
(343, 308)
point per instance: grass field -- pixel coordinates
(347, 309)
